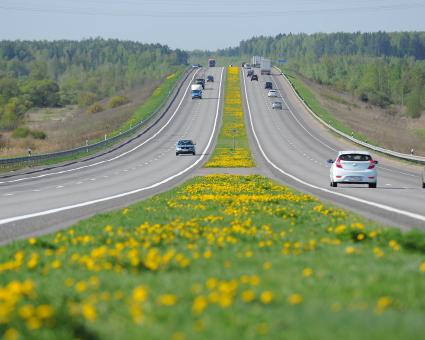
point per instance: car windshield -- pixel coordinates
(354, 157)
(185, 142)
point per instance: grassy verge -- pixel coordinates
(313, 103)
(153, 103)
(232, 149)
(220, 257)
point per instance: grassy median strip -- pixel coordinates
(232, 149)
(220, 257)
(313, 103)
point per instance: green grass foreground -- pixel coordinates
(221, 257)
(313, 103)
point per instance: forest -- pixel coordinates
(381, 68)
(58, 73)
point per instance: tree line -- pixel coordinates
(381, 68)
(57, 73)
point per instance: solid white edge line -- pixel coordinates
(360, 200)
(116, 157)
(100, 200)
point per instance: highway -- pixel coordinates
(292, 147)
(37, 203)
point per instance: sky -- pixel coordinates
(201, 24)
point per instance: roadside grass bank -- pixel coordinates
(220, 257)
(232, 149)
(313, 103)
(154, 102)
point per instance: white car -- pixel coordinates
(353, 167)
(272, 93)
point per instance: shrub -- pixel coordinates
(118, 101)
(86, 98)
(37, 134)
(21, 132)
(95, 108)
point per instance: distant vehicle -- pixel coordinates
(185, 146)
(268, 85)
(196, 91)
(254, 77)
(256, 61)
(250, 73)
(265, 66)
(272, 93)
(210, 79)
(277, 105)
(200, 81)
(211, 62)
(247, 66)
(353, 167)
(196, 65)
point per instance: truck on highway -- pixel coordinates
(266, 66)
(211, 62)
(196, 91)
(256, 61)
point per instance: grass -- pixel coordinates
(220, 257)
(313, 103)
(232, 149)
(421, 133)
(154, 102)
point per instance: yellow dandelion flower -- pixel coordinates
(32, 241)
(248, 296)
(167, 300)
(383, 303)
(422, 267)
(199, 305)
(267, 265)
(295, 299)
(307, 272)
(140, 294)
(266, 297)
(89, 312)
(11, 334)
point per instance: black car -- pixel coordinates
(250, 73)
(200, 81)
(254, 77)
(185, 146)
(268, 85)
(210, 79)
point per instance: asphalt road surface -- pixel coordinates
(41, 202)
(293, 147)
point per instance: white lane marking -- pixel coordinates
(36, 190)
(8, 194)
(168, 179)
(381, 167)
(353, 198)
(59, 187)
(118, 156)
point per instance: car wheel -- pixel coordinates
(193, 153)
(372, 185)
(177, 153)
(423, 185)
(334, 184)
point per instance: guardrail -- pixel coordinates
(34, 159)
(404, 156)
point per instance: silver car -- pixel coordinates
(277, 105)
(353, 167)
(272, 93)
(185, 146)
